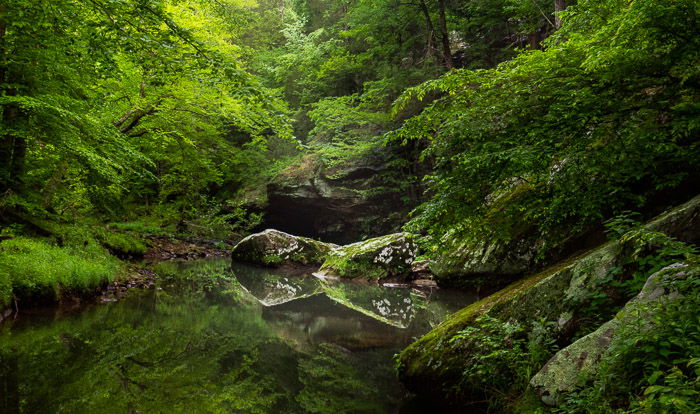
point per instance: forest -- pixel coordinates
(542, 153)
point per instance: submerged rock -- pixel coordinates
(434, 365)
(274, 248)
(373, 259)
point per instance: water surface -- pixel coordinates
(212, 337)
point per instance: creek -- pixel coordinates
(216, 337)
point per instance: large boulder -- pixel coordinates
(579, 362)
(434, 366)
(477, 260)
(340, 204)
(373, 259)
(274, 248)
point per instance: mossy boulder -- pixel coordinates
(579, 362)
(434, 366)
(274, 248)
(465, 260)
(373, 259)
(476, 260)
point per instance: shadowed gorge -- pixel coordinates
(350, 206)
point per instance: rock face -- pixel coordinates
(578, 362)
(479, 259)
(377, 258)
(433, 366)
(339, 205)
(273, 248)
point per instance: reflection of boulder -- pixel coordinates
(272, 289)
(395, 307)
(273, 248)
(316, 320)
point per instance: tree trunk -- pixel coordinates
(13, 150)
(429, 24)
(534, 39)
(559, 6)
(445, 36)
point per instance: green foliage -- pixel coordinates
(123, 243)
(31, 268)
(652, 364)
(598, 123)
(117, 108)
(645, 253)
(505, 355)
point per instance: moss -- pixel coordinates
(434, 365)
(437, 361)
(373, 259)
(122, 242)
(529, 403)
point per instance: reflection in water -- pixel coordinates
(213, 340)
(272, 288)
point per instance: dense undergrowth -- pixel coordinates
(38, 270)
(652, 366)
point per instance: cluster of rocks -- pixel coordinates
(433, 367)
(391, 257)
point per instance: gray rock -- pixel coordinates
(341, 205)
(473, 259)
(274, 248)
(434, 363)
(579, 362)
(378, 258)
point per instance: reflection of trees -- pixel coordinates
(199, 345)
(9, 383)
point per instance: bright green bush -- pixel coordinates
(602, 120)
(35, 268)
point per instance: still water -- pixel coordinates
(214, 337)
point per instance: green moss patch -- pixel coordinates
(33, 268)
